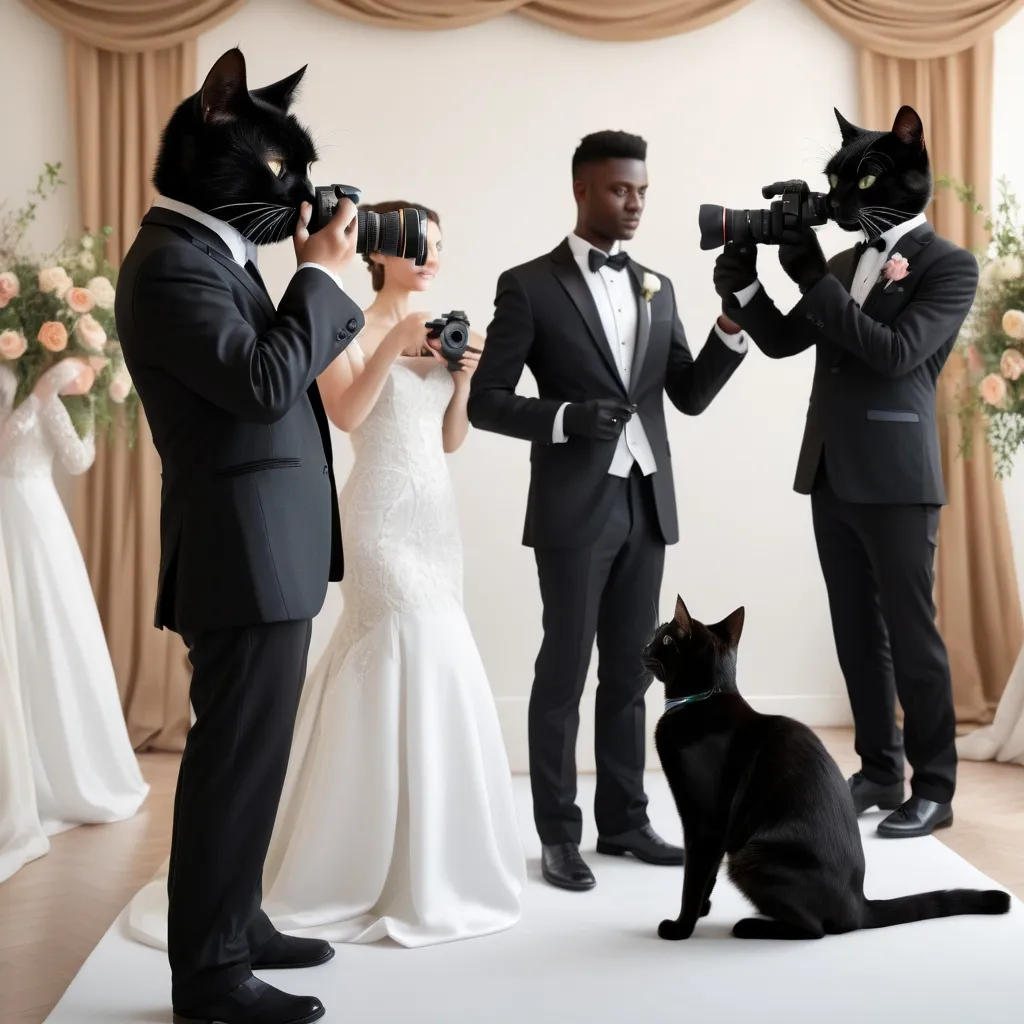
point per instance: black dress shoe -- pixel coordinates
(253, 1002)
(643, 843)
(917, 817)
(867, 794)
(563, 867)
(286, 952)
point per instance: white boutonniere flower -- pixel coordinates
(650, 287)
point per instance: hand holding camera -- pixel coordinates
(332, 247)
(449, 341)
(802, 259)
(408, 336)
(600, 419)
(735, 269)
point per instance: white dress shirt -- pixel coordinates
(617, 307)
(868, 268)
(239, 246)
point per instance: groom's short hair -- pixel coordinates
(608, 145)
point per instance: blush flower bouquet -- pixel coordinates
(992, 337)
(61, 306)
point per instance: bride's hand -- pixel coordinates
(409, 335)
(61, 378)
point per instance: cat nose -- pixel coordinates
(834, 203)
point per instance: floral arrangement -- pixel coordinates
(62, 306)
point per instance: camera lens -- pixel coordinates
(397, 233)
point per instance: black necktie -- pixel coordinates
(862, 247)
(600, 259)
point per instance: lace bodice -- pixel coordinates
(398, 516)
(33, 433)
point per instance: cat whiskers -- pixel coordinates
(268, 224)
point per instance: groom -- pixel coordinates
(602, 337)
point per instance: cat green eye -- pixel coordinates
(833, 180)
(276, 167)
(867, 181)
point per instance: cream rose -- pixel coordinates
(53, 335)
(90, 333)
(10, 287)
(102, 291)
(120, 386)
(993, 389)
(1011, 364)
(87, 261)
(79, 299)
(86, 242)
(12, 344)
(54, 280)
(1013, 323)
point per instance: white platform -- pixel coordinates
(595, 957)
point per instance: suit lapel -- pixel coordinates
(571, 279)
(643, 326)
(213, 245)
(909, 246)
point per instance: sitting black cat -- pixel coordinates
(763, 790)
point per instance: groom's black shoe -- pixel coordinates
(253, 1002)
(643, 843)
(867, 794)
(286, 952)
(563, 866)
(917, 817)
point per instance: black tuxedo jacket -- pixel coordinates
(249, 525)
(872, 409)
(545, 318)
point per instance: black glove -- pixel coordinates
(600, 419)
(801, 257)
(735, 269)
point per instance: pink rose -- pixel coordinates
(12, 344)
(90, 333)
(120, 386)
(55, 280)
(993, 389)
(79, 299)
(1011, 364)
(98, 363)
(897, 268)
(1013, 323)
(10, 286)
(974, 359)
(53, 335)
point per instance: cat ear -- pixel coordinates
(224, 92)
(281, 94)
(682, 617)
(731, 627)
(847, 130)
(908, 127)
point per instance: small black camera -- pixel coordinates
(453, 330)
(798, 208)
(398, 233)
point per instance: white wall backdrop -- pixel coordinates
(480, 124)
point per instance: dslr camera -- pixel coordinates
(453, 330)
(399, 233)
(798, 208)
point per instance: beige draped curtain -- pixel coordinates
(130, 63)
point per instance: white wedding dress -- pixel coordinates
(69, 715)
(398, 818)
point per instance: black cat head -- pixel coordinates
(691, 658)
(879, 179)
(239, 155)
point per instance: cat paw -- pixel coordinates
(673, 931)
(706, 909)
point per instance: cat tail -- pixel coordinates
(927, 905)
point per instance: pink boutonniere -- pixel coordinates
(897, 268)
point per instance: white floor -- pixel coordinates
(595, 957)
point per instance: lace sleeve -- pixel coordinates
(17, 423)
(75, 453)
(8, 387)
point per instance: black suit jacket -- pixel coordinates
(872, 410)
(249, 525)
(545, 318)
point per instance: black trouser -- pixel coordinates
(609, 589)
(878, 562)
(245, 693)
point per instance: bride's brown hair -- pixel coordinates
(391, 206)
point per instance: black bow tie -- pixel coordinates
(862, 247)
(600, 259)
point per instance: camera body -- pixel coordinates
(453, 330)
(398, 233)
(797, 209)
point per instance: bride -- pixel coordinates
(397, 818)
